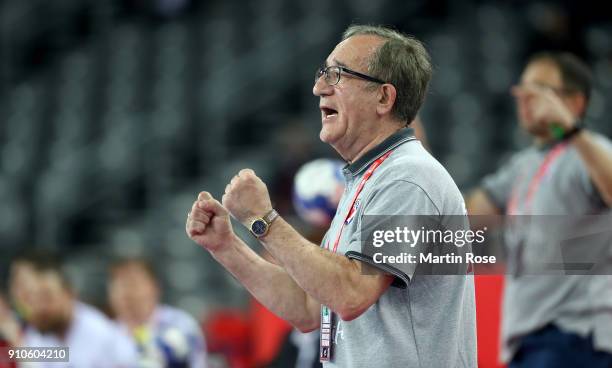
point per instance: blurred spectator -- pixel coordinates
(57, 319)
(22, 281)
(550, 320)
(164, 336)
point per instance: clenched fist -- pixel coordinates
(246, 197)
(208, 223)
(544, 106)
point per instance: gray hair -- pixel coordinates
(401, 61)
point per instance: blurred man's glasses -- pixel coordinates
(331, 75)
(559, 91)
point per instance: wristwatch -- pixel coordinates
(260, 226)
(573, 131)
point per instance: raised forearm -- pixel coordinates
(478, 204)
(598, 161)
(270, 285)
(332, 279)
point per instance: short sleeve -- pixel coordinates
(393, 202)
(120, 350)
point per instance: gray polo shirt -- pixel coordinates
(577, 303)
(422, 320)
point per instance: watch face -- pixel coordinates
(259, 227)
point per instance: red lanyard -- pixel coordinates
(512, 207)
(353, 210)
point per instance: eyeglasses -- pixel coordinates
(331, 75)
(560, 91)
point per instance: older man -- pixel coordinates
(371, 86)
(554, 320)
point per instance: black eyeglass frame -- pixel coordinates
(323, 70)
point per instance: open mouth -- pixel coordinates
(328, 113)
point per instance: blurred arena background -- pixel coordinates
(115, 114)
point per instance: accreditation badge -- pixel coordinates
(325, 344)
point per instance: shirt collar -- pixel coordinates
(394, 140)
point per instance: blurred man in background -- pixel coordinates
(22, 284)
(15, 310)
(22, 280)
(553, 321)
(57, 319)
(371, 86)
(164, 336)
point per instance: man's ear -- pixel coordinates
(387, 94)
